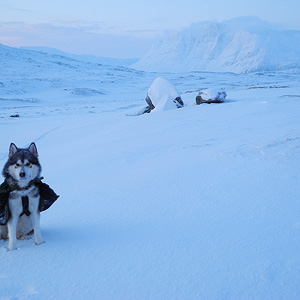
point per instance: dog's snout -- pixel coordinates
(22, 174)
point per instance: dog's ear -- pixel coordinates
(12, 149)
(32, 148)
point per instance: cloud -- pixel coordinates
(77, 37)
(12, 8)
(22, 10)
(101, 27)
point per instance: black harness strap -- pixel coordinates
(25, 204)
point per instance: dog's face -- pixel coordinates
(22, 165)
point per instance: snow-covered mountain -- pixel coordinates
(240, 45)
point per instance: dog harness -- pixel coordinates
(47, 198)
(25, 204)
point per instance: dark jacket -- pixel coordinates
(47, 198)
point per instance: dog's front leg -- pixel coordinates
(12, 232)
(35, 219)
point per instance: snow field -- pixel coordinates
(194, 203)
(200, 202)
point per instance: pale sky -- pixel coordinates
(123, 28)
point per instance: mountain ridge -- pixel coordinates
(240, 45)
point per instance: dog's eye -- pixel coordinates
(28, 164)
(17, 165)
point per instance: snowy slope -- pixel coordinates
(85, 57)
(239, 45)
(200, 202)
(31, 77)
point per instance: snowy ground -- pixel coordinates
(194, 203)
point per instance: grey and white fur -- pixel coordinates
(20, 172)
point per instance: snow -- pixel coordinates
(240, 45)
(200, 202)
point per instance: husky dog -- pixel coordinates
(21, 171)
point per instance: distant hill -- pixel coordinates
(86, 57)
(240, 45)
(30, 75)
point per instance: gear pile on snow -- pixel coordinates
(162, 95)
(211, 96)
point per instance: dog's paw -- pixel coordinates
(39, 242)
(11, 248)
(25, 238)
